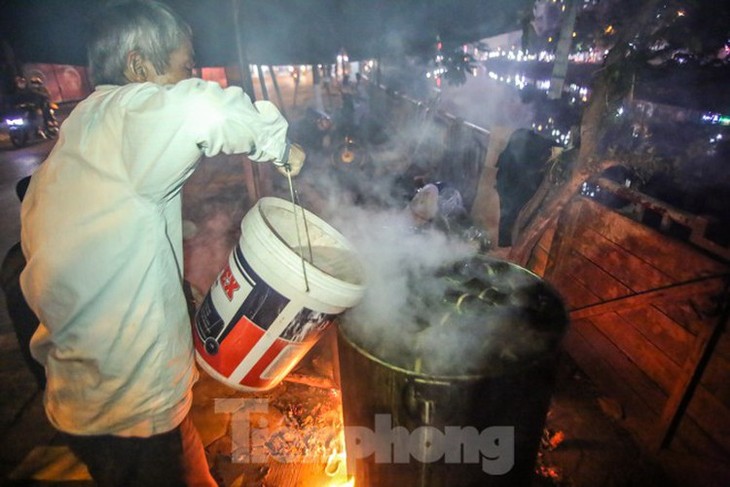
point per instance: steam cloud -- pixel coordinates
(432, 306)
(422, 309)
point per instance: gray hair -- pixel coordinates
(146, 26)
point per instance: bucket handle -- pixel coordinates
(295, 203)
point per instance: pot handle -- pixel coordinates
(417, 405)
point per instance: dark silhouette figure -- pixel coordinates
(520, 170)
(23, 319)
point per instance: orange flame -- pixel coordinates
(336, 466)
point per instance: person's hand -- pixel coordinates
(295, 162)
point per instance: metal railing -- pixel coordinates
(453, 150)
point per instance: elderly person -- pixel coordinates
(101, 232)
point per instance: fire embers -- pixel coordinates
(480, 316)
(548, 473)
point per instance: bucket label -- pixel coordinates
(229, 283)
(234, 331)
(217, 318)
(307, 324)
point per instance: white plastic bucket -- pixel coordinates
(261, 316)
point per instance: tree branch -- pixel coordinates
(586, 165)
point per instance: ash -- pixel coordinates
(301, 426)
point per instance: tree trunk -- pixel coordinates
(589, 162)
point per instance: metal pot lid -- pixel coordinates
(480, 316)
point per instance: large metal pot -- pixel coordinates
(404, 427)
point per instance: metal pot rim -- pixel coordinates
(444, 379)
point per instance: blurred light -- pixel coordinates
(543, 84)
(715, 119)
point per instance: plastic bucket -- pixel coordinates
(261, 316)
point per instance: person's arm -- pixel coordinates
(262, 124)
(227, 121)
(167, 129)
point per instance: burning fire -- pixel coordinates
(551, 439)
(349, 483)
(335, 463)
(336, 466)
(550, 472)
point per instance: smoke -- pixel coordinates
(397, 255)
(389, 173)
(433, 304)
(488, 103)
(394, 249)
(399, 262)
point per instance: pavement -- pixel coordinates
(583, 445)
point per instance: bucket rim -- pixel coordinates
(271, 201)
